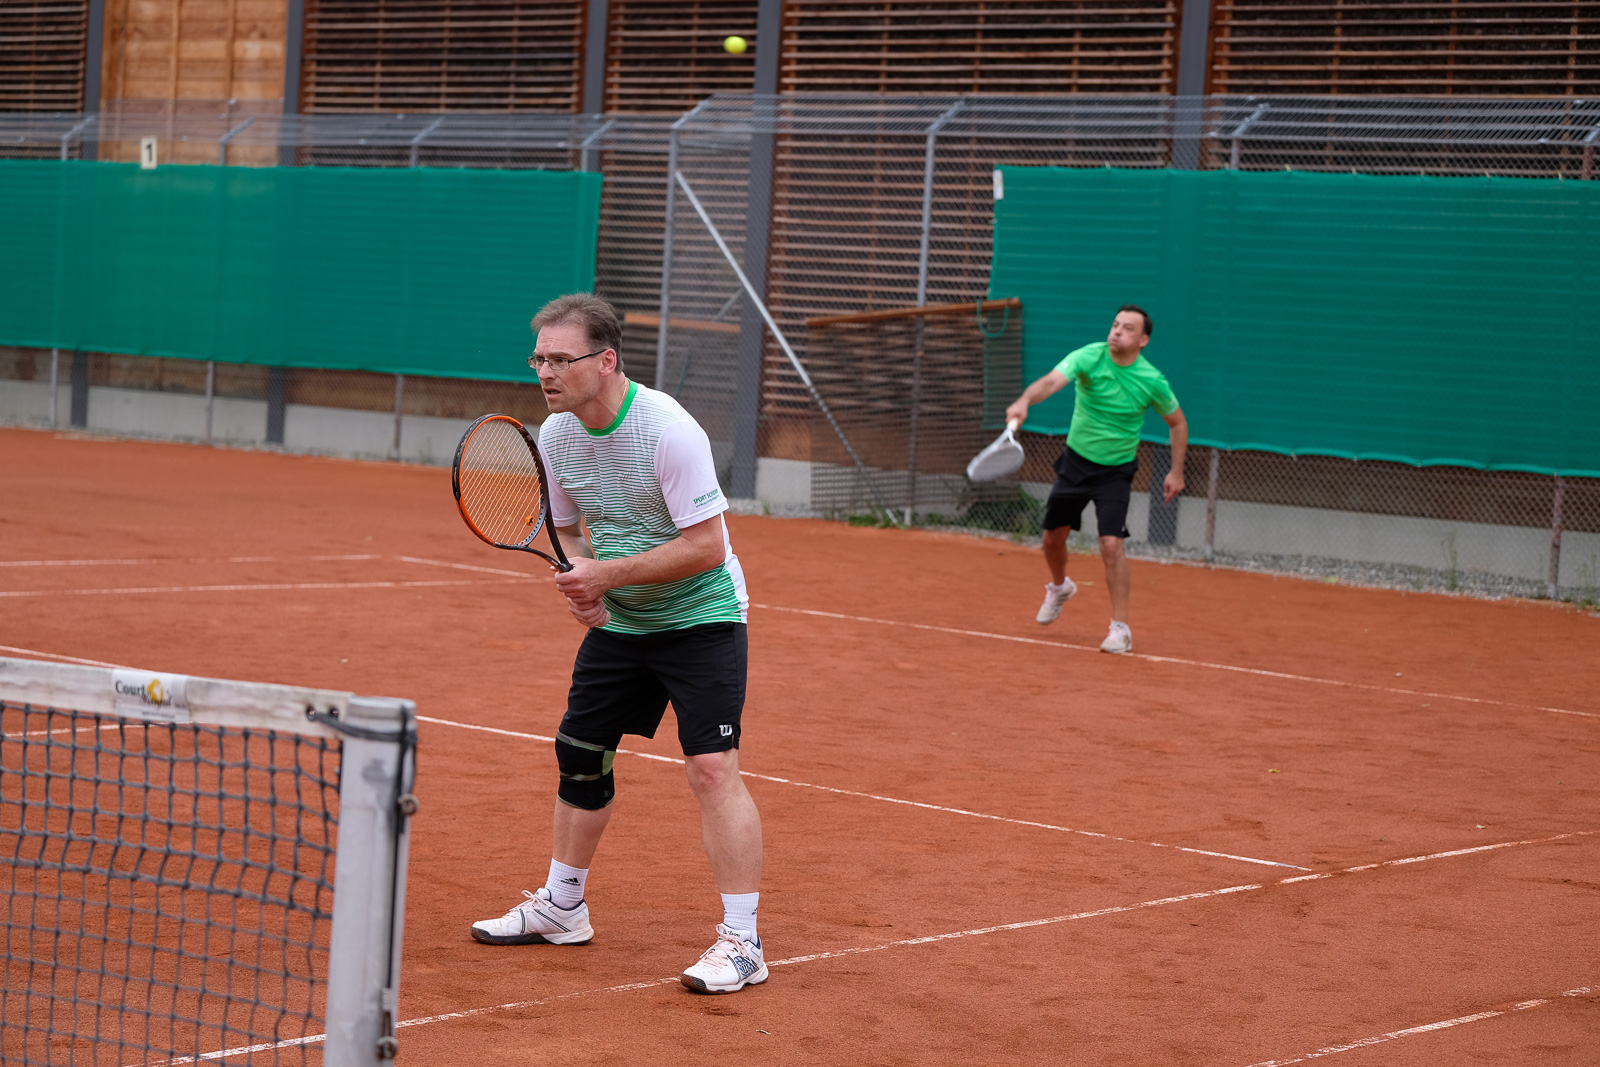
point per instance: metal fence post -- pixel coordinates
(80, 389)
(399, 407)
(928, 156)
(66, 138)
(211, 394)
(416, 142)
(1588, 153)
(277, 403)
(1193, 43)
(222, 144)
(1553, 582)
(1240, 130)
(666, 255)
(55, 378)
(1211, 503)
(666, 241)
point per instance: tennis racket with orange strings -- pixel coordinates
(499, 481)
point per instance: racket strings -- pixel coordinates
(500, 489)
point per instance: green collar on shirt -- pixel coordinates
(622, 413)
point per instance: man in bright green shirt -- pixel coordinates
(1115, 385)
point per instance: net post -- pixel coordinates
(375, 801)
(1211, 503)
(1553, 581)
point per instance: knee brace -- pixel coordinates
(586, 780)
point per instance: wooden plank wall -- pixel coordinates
(1406, 47)
(981, 46)
(443, 55)
(194, 50)
(667, 55)
(42, 44)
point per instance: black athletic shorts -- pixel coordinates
(1079, 481)
(621, 684)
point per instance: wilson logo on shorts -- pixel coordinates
(727, 731)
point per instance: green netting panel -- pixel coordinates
(416, 271)
(1422, 320)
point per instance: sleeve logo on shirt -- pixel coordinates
(704, 497)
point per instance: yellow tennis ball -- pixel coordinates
(735, 45)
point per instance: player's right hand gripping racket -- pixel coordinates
(1001, 458)
(499, 481)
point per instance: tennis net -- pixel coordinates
(191, 875)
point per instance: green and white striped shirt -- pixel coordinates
(637, 483)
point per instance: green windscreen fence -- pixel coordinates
(1422, 320)
(417, 271)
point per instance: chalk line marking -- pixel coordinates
(467, 567)
(1174, 659)
(1412, 1031)
(192, 559)
(58, 656)
(261, 587)
(1027, 924)
(887, 800)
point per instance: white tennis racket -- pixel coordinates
(1001, 458)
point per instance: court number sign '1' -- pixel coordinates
(147, 153)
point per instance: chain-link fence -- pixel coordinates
(836, 208)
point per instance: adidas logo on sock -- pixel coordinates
(569, 881)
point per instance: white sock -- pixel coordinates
(566, 885)
(739, 911)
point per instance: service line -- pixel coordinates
(887, 800)
(982, 931)
(1175, 659)
(1411, 1031)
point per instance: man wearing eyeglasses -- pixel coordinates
(1115, 385)
(664, 599)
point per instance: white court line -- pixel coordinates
(1174, 659)
(465, 567)
(193, 559)
(263, 587)
(1120, 909)
(888, 800)
(1411, 1031)
(57, 656)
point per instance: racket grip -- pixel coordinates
(1012, 425)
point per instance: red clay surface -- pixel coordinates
(1192, 750)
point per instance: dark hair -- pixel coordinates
(1149, 327)
(598, 319)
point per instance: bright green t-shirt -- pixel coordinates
(1109, 411)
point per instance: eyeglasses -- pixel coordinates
(559, 363)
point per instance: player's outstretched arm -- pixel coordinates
(1178, 436)
(1041, 390)
(696, 548)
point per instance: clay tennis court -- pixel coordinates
(1302, 822)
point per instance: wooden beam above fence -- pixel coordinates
(974, 306)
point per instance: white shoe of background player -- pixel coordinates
(1055, 598)
(1119, 639)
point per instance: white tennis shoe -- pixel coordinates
(1119, 639)
(1055, 598)
(536, 921)
(735, 961)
